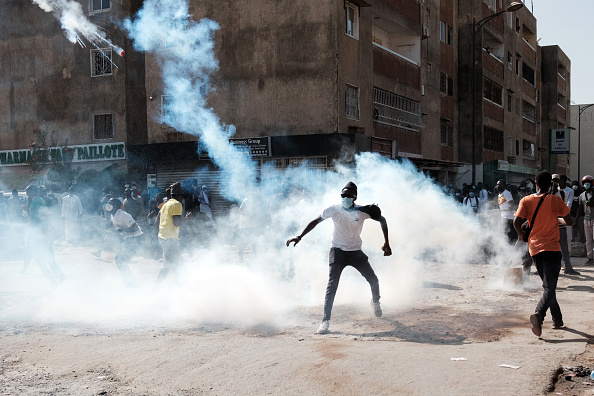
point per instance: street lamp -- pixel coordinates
(476, 26)
(580, 111)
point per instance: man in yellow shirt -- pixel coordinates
(169, 221)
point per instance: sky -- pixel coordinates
(569, 24)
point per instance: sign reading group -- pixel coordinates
(81, 153)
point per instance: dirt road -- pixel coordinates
(461, 313)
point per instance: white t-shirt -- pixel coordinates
(569, 193)
(347, 227)
(122, 220)
(505, 200)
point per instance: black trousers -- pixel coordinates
(339, 260)
(548, 265)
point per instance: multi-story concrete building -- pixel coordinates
(323, 83)
(556, 109)
(582, 136)
(91, 97)
(313, 83)
(507, 83)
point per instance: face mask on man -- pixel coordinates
(575, 188)
(471, 195)
(587, 185)
(347, 202)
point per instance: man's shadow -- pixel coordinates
(588, 338)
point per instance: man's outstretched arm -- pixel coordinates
(386, 248)
(312, 224)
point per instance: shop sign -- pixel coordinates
(502, 165)
(560, 141)
(255, 147)
(78, 154)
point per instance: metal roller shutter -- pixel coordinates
(204, 173)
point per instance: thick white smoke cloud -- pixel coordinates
(240, 272)
(186, 67)
(77, 27)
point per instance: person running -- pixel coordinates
(348, 220)
(130, 232)
(543, 244)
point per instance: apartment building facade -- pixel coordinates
(311, 83)
(91, 98)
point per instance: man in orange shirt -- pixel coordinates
(543, 245)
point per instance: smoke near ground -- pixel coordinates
(241, 273)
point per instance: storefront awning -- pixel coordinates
(433, 163)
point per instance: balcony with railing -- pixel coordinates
(396, 110)
(528, 51)
(529, 125)
(396, 67)
(528, 89)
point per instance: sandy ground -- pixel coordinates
(461, 313)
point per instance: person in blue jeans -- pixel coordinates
(348, 220)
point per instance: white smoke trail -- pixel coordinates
(76, 25)
(216, 285)
(185, 50)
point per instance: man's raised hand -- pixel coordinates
(295, 241)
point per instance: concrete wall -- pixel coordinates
(278, 67)
(44, 77)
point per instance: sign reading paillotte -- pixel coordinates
(81, 153)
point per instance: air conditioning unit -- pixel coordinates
(425, 32)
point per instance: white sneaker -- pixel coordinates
(323, 329)
(377, 310)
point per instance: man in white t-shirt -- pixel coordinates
(507, 209)
(348, 221)
(125, 224)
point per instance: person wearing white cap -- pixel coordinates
(348, 220)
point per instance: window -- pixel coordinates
(450, 136)
(528, 74)
(351, 20)
(103, 127)
(446, 84)
(98, 5)
(509, 102)
(443, 83)
(444, 133)
(517, 148)
(528, 112)
(493, 139)
(445, 33)
(101, 62)
(510, 61)
(493, 92)
(352, 102)
(517, 67)
(517, 25)
(510, 146)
